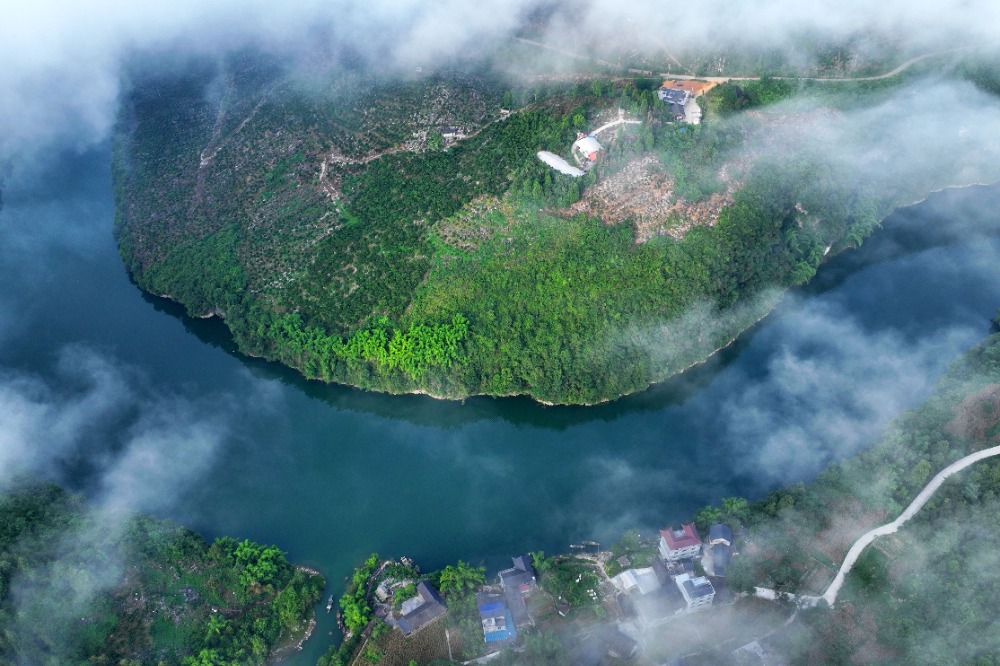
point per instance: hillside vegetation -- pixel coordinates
(337, 231)
(907, 600)
(82, 588)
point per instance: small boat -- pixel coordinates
(329, 604)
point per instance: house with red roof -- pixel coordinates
(679, 544)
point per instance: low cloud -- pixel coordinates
(831, 389)
(99, 426)
(786, 25)
(63, 59)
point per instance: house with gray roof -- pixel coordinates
(676, 99)
(517, 583)
(422, 609)
(722, 555)
(697, 592)
(720, 549)
(720, 533)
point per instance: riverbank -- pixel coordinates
(783, 544)
(727, 327)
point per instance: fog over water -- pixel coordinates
(114, 394)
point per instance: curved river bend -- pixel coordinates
(331, 474)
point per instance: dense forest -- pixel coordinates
(336, 230)
(78, 586)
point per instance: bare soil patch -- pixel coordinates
(977, 417)
(696, 88)
(643, 193)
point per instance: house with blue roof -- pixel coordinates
(498, 625)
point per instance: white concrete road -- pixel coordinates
(830, 596)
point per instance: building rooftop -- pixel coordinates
(675, 95)
(588, 146)
(642, 581)
(520, 576)
(431, 608)
(660, 604)
(694, 588)
(619, 645)
(686, 536)
(720, 532)
(721, 556)
(496, 618)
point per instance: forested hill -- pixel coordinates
(924, 595)
(81, 588)
(401, 235)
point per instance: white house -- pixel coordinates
(697, 592)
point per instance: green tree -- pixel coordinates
(735, 510)
(261, 564)
(461, 578)
(740, 575)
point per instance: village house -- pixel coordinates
(619, 645)
(494, 615)
(678, 96)
(720, 543)
(641, 581)
(720, 533)
(517, 583)
(679, 544)
(649, 595)
(675, 99)
(697, 592)
(422, 609)
(452, 133)
(605, 641)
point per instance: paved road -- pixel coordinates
(723, 79)
(830, 596)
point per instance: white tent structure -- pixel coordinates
(559, 164)
(587, 149)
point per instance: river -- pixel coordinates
(331, 474)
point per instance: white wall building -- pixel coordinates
(680, 544)
(697, 592)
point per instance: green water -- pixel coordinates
(331, 474)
